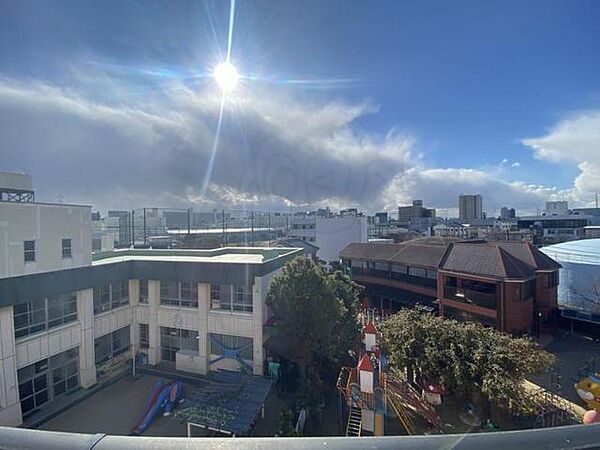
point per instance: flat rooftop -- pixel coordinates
(209, 231)
(239, 255)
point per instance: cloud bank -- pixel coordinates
(275, 150)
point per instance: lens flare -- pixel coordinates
(226, 76)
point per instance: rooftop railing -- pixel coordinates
(569, 437)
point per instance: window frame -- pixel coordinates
(28, 253)
(67, 250)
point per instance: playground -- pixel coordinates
(227, 404)
(375, 400)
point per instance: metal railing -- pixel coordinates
(569, 437)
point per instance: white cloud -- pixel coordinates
(275, 150)
(574, 140)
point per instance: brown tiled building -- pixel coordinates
(511, 286)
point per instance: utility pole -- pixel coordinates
(269, 231)
(145, 238)
(252, 227)
(189, 214)
(132, 231)
(224, 238)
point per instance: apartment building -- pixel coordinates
(416, 210)
(329, 234)
(511, 286)
(470, 207)
(68, 322)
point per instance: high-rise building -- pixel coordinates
(560, 208)
(406, 213)
(507, 213)
(470, 207)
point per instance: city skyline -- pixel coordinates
(114, 105)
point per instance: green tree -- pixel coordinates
(480, 364)
(315, 314)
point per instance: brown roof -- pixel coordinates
(496, 259)
(424, 252)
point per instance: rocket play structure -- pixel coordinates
(163, 399)
(370, 393)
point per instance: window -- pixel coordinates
(143, 291)
(120, 294)
(231, 297)
(111, 296)
(47, 379)
(528, 290)
(175, 293)
(417, 272)
(111, 345)
(144, 336)
(40, 315)
(29, 251)
(102, 298)
(174, 339)
(66, 248)
(219, 343)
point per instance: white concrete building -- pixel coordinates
(330, 234)
(70, 325)
(559, 208)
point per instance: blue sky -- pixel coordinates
(431, 96)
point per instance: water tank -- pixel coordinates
(579, 283)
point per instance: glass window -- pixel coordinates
(174, 293)
(174, 339)
(120, 294)
(111, 345)
(143, 291)
(417, 272)
(66, 248)
(144, 335)
(44, 314)
(231, 297)
(29, 251)
(102, 298)
(47, 379)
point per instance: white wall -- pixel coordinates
(47, 224)
(335, 233)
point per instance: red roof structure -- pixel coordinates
(369, 328)
(365, 363)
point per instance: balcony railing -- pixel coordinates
(470, 296)
(569, 437)
(384, 274)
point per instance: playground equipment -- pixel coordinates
(588, 390)
(164, 397)
(371, 391)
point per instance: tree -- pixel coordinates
(476, 362)
(315, 315)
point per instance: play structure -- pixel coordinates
(163, 399)
(370, 392)
(229, 403)
(588, 390)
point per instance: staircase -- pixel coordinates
(354, 422)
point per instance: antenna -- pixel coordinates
(596, 199)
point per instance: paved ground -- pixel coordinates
(572, 352)
(115, 410)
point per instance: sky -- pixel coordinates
(347, 104)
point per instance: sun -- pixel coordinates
(226, 76)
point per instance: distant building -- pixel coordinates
(510, 286)
(416, 210)
(548, 230)
(470, 207)
(329, 234)
(507, 213)
(557, 208)
(381, 218)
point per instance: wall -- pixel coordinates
(335, 233)
(47, 224)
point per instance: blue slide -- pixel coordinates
(159, 395)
